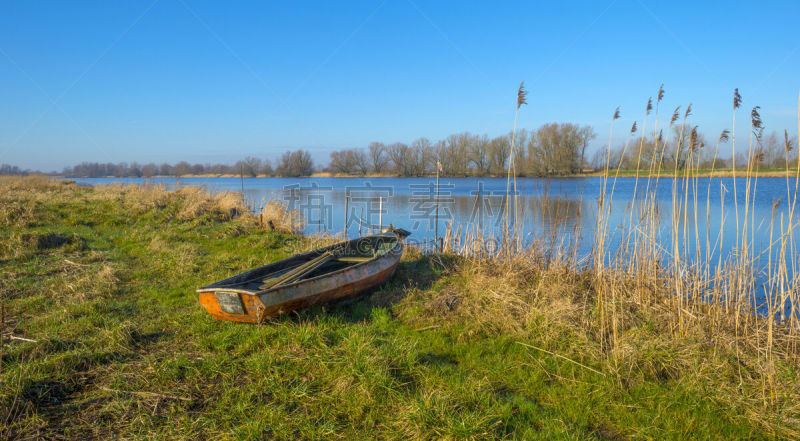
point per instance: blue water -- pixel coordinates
(564, 211)
(567, 205)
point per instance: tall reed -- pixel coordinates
(752, 295)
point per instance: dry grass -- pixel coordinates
(442, 346)
(135, 198)
(197, 201)
(32, 184)
(651, 309)
(560, 306)
(275, 215)
(33, 190)
(194, 201)
(191, 202)
(78, 282)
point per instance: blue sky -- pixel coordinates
(169, 80)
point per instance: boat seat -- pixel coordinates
(353, 259)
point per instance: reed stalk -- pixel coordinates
(718, 294)
(521, 99)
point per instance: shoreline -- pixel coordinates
(725, 173)
(106, 321)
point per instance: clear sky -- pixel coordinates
(171, 80)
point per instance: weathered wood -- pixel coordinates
(353, 259)
(296, 273)
(230, 302)
(354, 266)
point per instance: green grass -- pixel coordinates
(108, 294)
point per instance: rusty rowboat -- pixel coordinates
(335, 272)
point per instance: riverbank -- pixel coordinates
(103, 337)
(704, 173)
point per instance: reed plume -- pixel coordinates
(522, 95)
(659, 97)
(724, 136)
(756, 122)
(693, 139)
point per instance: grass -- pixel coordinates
(102, 280)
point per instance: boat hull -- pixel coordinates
(254, 307)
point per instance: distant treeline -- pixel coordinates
(687, 146)
(559, 149)
(6, 169)
(554, 149)
(290, 164)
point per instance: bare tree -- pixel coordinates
(522, 157)
(399, 154)
(555, 149)
(8, 169)
(420, 156)
(360, 161)
(599, 158)
(498, 150)
(295, 164)
(455, 161)
(182, 168)
(773, 150)
(338, 164)
(149, 170)
(586, 134)
(250, 166)
(377, 156)
(678, 151)
(478, 154)
(266, 168)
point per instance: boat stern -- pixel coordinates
(232, 305)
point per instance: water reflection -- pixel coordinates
(545, 207)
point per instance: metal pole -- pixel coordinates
(436, 219)
(346, 209)
(380, 214)
(241, 176)
(360, 219)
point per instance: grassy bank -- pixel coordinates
(103, 336)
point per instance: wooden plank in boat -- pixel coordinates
(297, 273)
(353, 259)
